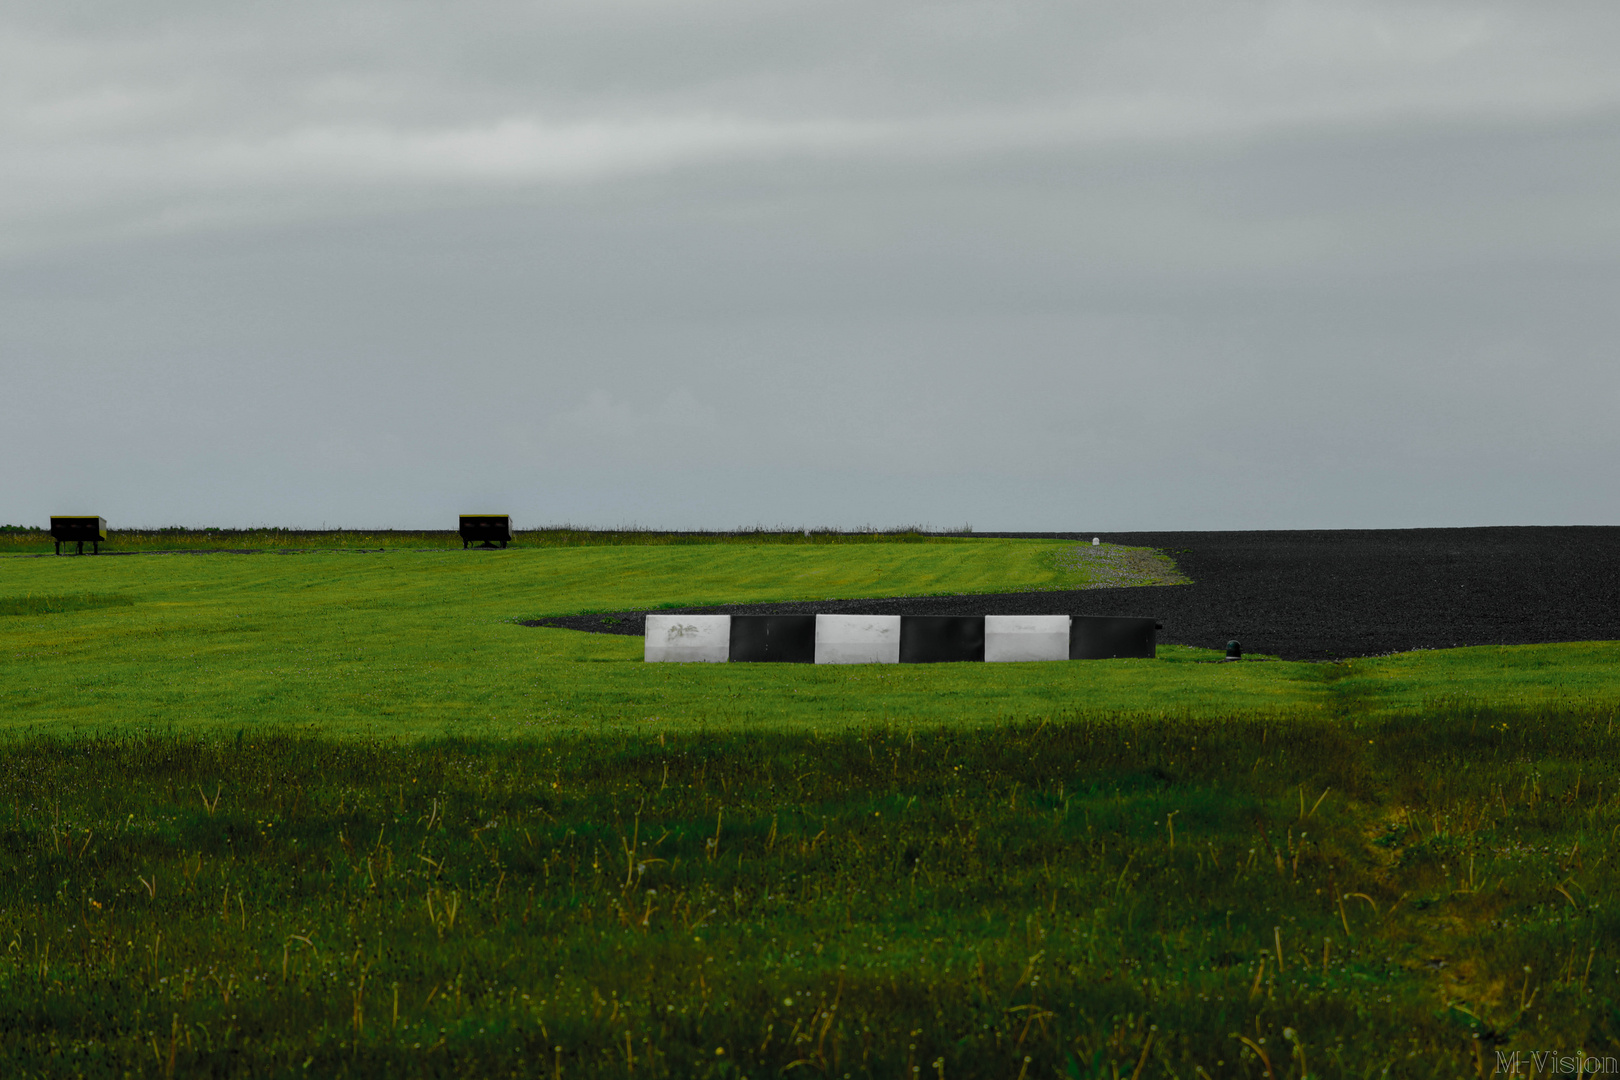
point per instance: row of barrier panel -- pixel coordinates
(895, 639)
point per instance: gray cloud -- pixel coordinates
(1029, 266)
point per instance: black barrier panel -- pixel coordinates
(79, 530)
(486, 529)
(1108, 637)
(941, 639)
(783, 639)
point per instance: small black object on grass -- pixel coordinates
(76, 530)
(1234, 651)
(485, 530)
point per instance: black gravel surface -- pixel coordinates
(1318, 595)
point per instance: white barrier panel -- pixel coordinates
(1026, 637)
(857, 639)
(688, 638)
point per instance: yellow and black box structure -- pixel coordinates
(79, 531)
(485, 530)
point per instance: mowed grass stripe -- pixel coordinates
(55, 604)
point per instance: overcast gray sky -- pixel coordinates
(673, 263)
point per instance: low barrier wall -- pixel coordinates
(895, 639)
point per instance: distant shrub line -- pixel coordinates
(17, 538)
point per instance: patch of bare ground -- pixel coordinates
(1110, 566)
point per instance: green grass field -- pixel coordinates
(422, 644)
(336, 814)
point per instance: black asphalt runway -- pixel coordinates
(1321, 595)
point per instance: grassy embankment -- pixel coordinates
(957, 870)
(422, 644)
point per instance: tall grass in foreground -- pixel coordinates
(1137, 897)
